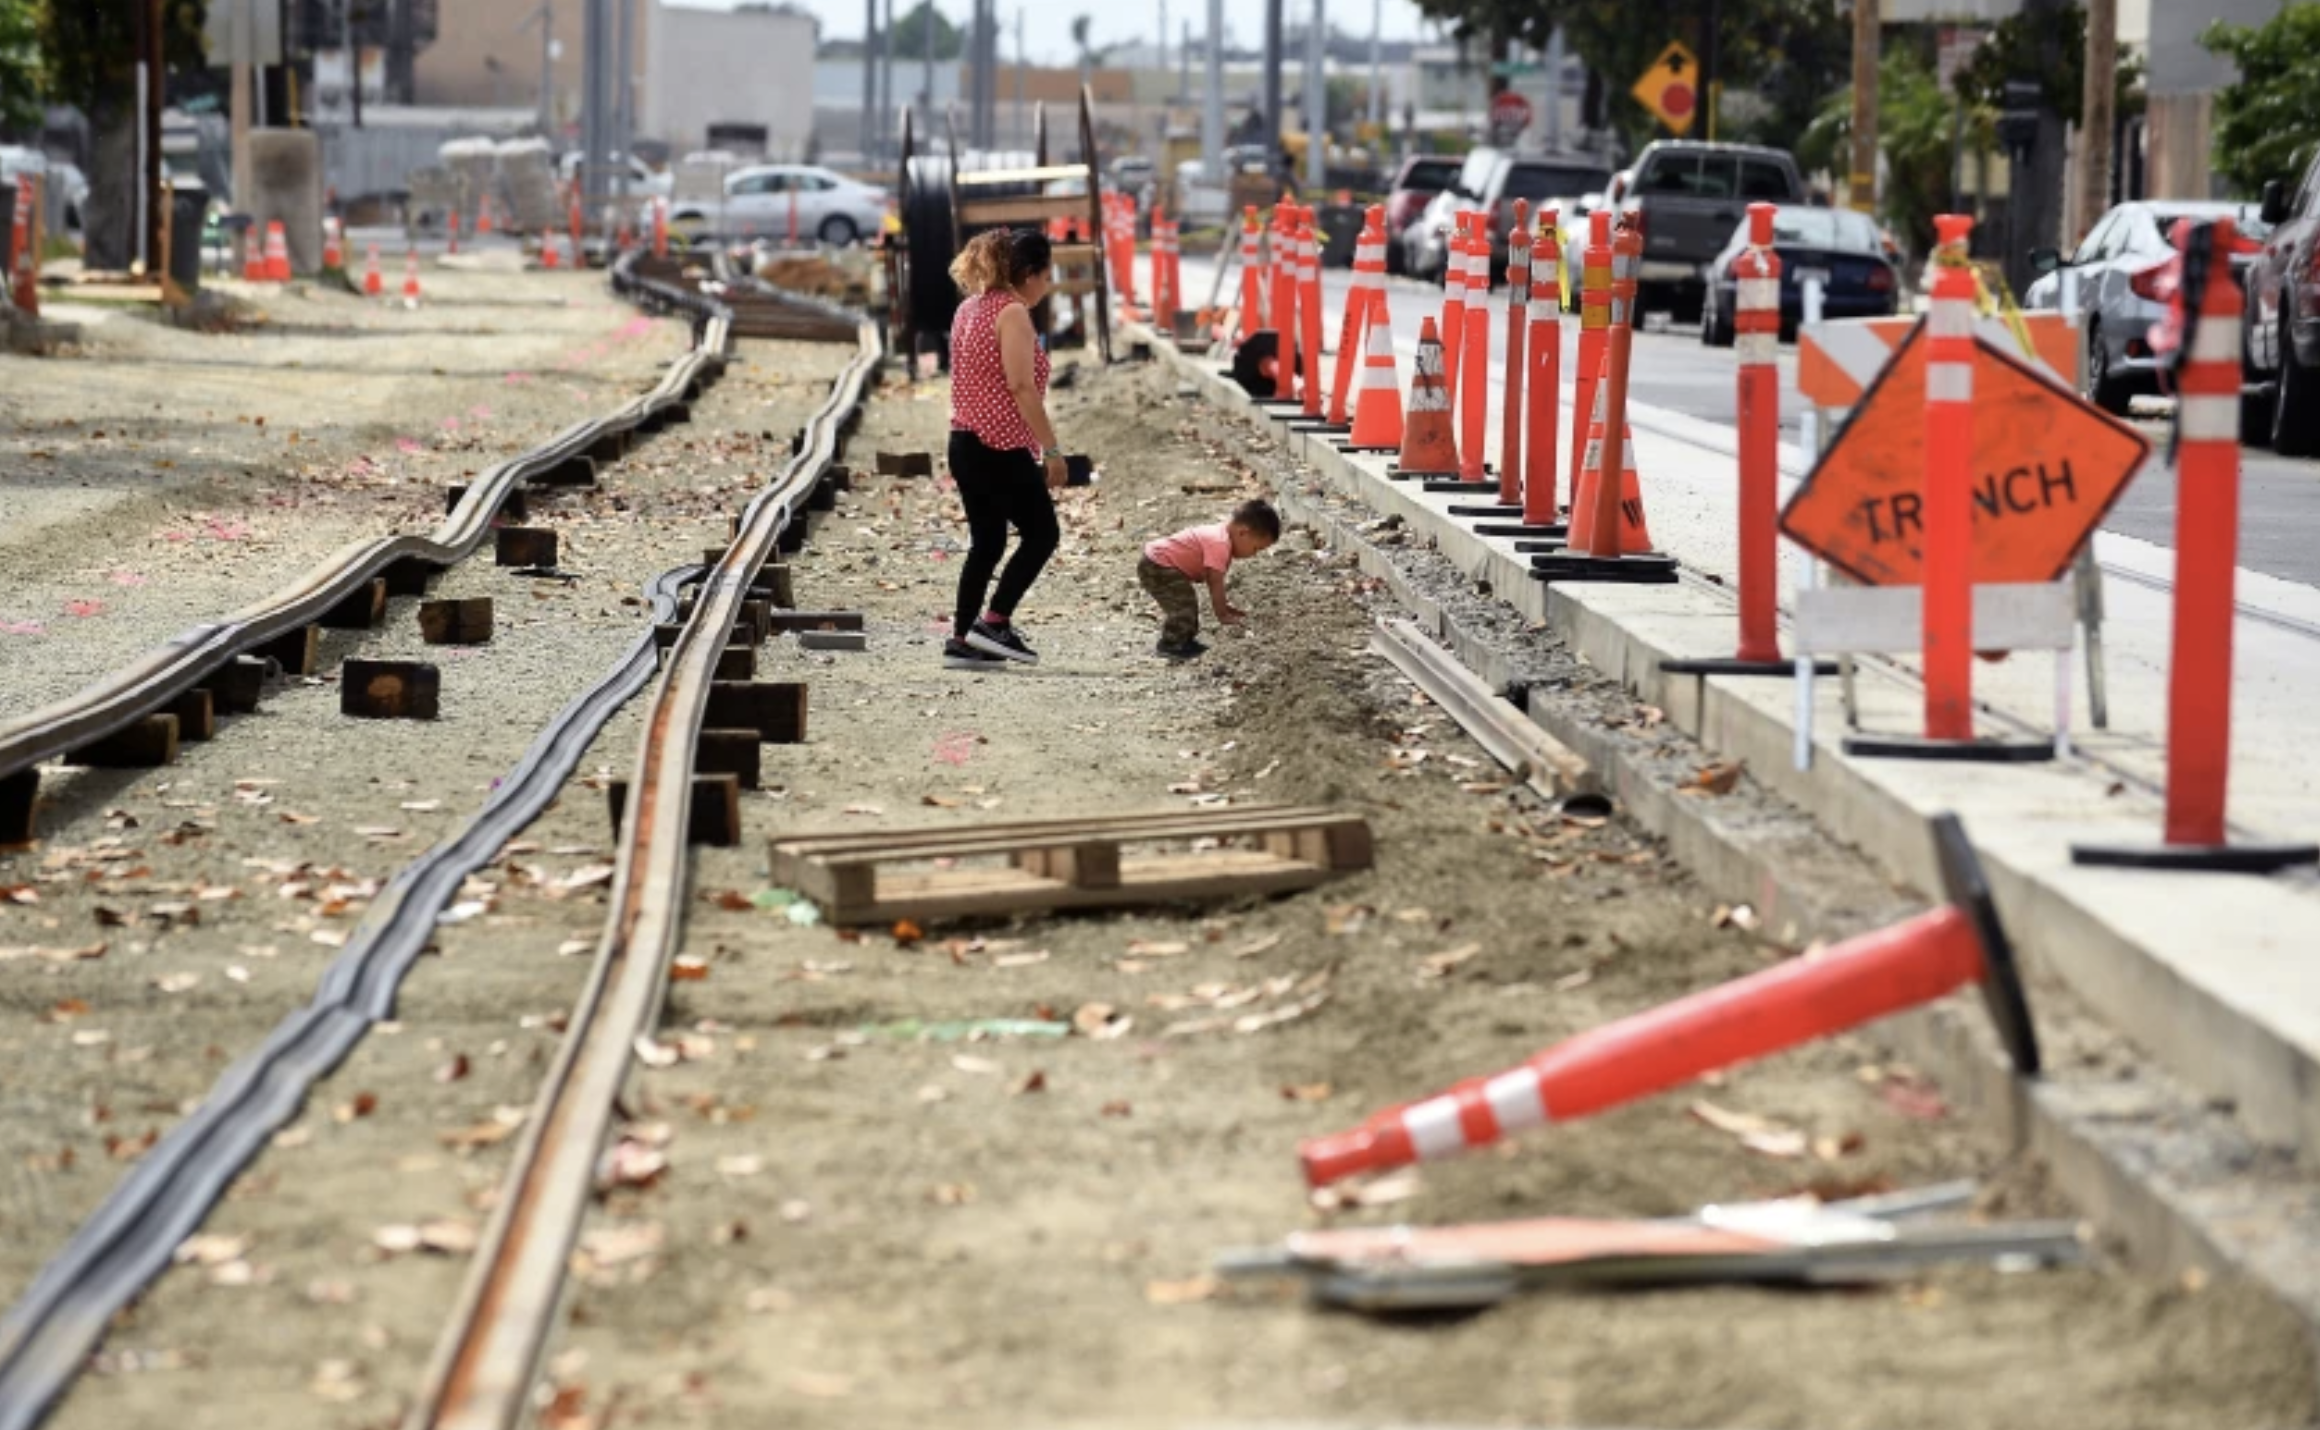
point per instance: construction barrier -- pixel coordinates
(1518, 288)
(1454, 301)
(2203, 325)
(1543, 385)
(1594, 320)
(1799, 1001)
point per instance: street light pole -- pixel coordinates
(1273, 117)
(1212, 99)
(1377, 97)
(1316, 104)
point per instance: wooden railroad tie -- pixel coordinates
(573, 471)
(389, 690)
(525, 546)
(235, 687)
(361, 611)
(296, 651)
(906, 464)
(737, 662)
(730, 752)
(408, 577)
(465, 620)
(511, 506)
(19, 806)
(788, 622)
(775, 710)
(1071, 864)
(833, 640)
(774, 584)
(150, 741)
(715, 817)
(824, 496)
(609, 448)
(196, 712)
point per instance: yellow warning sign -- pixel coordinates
(1670, 88)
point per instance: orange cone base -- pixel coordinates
(2198, 858)
(1918, 747)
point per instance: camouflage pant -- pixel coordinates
(1179, 600)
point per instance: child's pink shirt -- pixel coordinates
(1196, 551)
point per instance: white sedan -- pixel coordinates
(759, 203)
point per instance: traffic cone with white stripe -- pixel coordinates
(1634, 534)
(1799, 1001)
(1369, 272)
(333, 251)
(1429, 447)
(277, 253)
(373, 283)
(411, 274)
(1377, 410)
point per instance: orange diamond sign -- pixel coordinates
(1670, 88)
(2047, 466)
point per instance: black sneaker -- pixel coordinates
(958, 655)
(1186, 651)
(1000, 641)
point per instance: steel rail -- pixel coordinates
(129, 1241)
(120, 699)
(483, 1369)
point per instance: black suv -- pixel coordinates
(2281, 342)
(1692, 196)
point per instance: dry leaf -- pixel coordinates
(1758, 1134)
(1720, 778)
(907, 933)
(1256, 946)
(1100, 1021)
(1204, 1287)
(688, 968)
(1032, 1081)
(1393, 1187)
(53, 955)
(362, 1104)
(1169, 948)
(1306, 1091)
(1442, 965)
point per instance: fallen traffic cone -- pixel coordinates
(1796, 1002)
(277, 253)
(373, 284)
(411, 274)
(1377, 409)
(1429, 449)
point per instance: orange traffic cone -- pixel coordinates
(1377, 409)
(333, 252)
(548, 257)
(277, 253)
(253, 255)
(373, 284)
(1634, 534)
(1429, 449)
(411, 274)
(1799, 1001)
(483, 214)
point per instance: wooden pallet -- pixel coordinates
(1032, 866)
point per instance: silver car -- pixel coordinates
(2119, 266)
(763, 201)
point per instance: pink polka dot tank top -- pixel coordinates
(980, 402)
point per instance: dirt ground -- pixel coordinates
(860, 1223)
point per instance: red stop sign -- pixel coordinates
(1510, 113)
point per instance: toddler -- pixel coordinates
(1200, 555)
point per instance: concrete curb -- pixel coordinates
(2168, 1172)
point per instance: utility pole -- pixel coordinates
(1212, 100)
(150, 33)
(1712, 61)
(243, 39)
(353, 57)
(1273, 126)
(1377, 97)
(1316, 104)
(1184, 63)
(2095, 112)
(926, 15)
(870, 43)
(545, 18)
(595, 106)
(1555, 91)
(1020, 63)
(1161, 37)
(886, 77)
(1863, 182)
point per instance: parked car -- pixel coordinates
(2120, 265)
(2282, 338)
(1562, 182)
(1425, 246)
(1422, 176)
(1838, 246)
(644, 181)
(830, 207)
(1690, 195)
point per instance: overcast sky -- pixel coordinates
(1047, 23)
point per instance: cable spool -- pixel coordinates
(929, 246)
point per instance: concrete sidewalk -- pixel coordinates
(2217, 976)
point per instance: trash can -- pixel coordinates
(187, 209)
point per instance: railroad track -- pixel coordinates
(487, 1359)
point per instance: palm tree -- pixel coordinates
(1087, 55)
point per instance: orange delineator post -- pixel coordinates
(572, 222)
(1368, 282)
(1948, 497)
(1518, 290)
(1454, 302)
(333, 252)
(660, 227)
(1873, 976)
(1544, 383)
(1618, 346)
(1309, 313)
(451, 228)
(1157, 257)
(2207, 309)
(24, 252)
(1594, 320)
(1473, 394)
(1252, 278)
(1287, 270)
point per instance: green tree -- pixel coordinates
(910, 34)
(19, 64)
(1914, 115)
(2268, 120)
(2016, 49)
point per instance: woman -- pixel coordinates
(1003, 450)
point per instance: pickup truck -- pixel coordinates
(2281, 344)
(1692, 195)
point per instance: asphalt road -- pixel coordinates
(2279, 497)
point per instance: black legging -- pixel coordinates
(1000, 489)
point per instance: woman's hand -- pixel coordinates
(1057, 472)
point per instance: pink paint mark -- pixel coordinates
(126, 578)
(408, 447)
(218, 530)
(955, 748)
(84, 608)
(519, 377)
(450, 424)
(21, 628)
(177, 536)
(635, 328)
(480, 414)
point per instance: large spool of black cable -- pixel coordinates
(930, 245)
